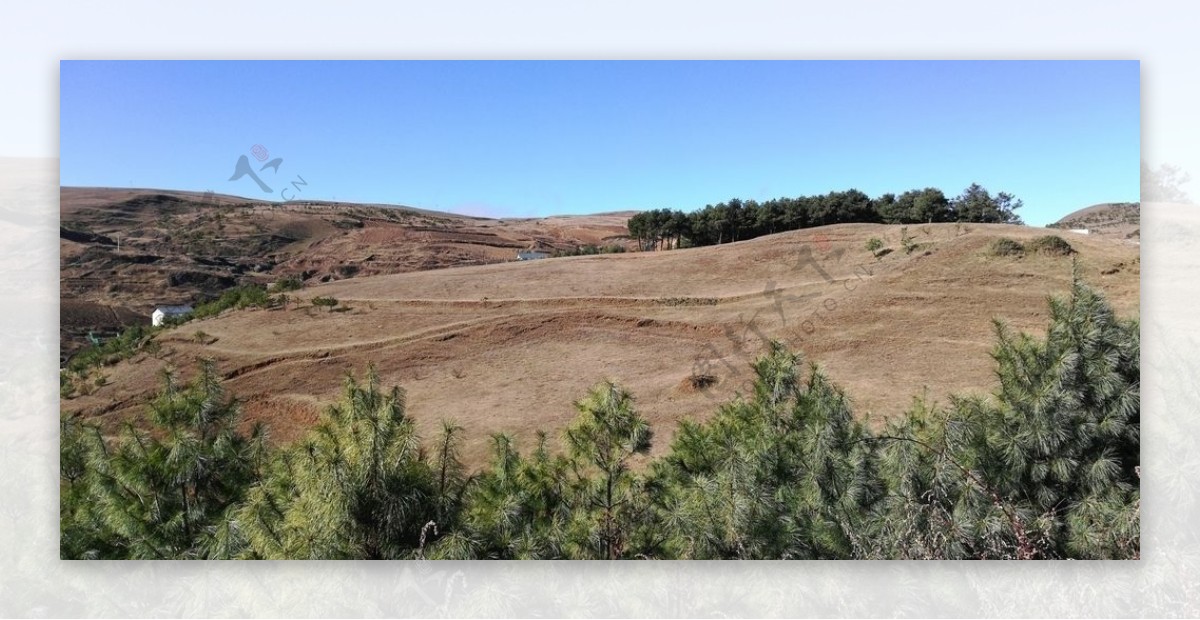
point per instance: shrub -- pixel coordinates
(111, 351)
(324, 302)
(701, 381)
(1007, 247)
(66, 386)
(874, 244)
(246, 296)
(908, 242)
(203, 337)
(1051, 245)
(588, 250)
(290, 283)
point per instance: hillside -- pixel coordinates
(507, 347)
(1120, 220)
(124, 251)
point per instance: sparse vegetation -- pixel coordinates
(1006, 247)
(289, 283)
(701, 381)
(324, 302)
(687, 301)
(240, 297)
(874, 244)
(112, 350)
(1050, 245)
(1048, 467)
(589, 250)
(908, 242)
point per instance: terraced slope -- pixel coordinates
(508, 347)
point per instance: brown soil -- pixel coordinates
(184, 247)
(508, 347)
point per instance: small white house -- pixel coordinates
(1082, 231)
(161, 313)
(532, 255)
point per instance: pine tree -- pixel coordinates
(357, 487)
(1048, 468)
(163, 493)
(782, 475)
(608, 504)
(517, 508)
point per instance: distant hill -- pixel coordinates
(1111, 219)
(123, 251)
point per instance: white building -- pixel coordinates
(162, 312)
(1082, 231)
(532, 255)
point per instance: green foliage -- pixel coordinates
(784, 474)
(240, 297)
(976, 204)
(1006, 247)
(165, 493)
(324, 302)
(874, 244)
(1049, 469)
(589, 250)
(605, 436)
(1046, 467)
(738, 220)
(66, 385)
(358, 486)
(286, 284)
(517, 508)
(107, 352)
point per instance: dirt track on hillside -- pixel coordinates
(509, 347)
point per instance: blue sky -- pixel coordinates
(523, 139)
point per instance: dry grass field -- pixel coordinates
(508, 347)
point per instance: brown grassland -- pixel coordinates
(509, 346)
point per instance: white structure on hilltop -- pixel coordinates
(532, 255)
(1082, 231)
(161, 313)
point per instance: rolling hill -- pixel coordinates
(1121, 220)
(507, 347)
(122, 252)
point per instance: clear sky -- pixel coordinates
(538, 138)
